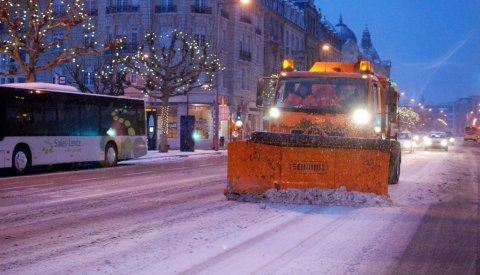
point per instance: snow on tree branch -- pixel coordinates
(35, 29)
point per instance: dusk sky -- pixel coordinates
(434, 45)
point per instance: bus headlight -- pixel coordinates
(274, 112)
(361, 117)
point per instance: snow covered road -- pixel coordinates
(173, 219)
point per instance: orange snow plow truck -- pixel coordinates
(332, 126)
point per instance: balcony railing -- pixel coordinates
(123, 8)
(245, 55)
(165, 8)
(129, 47)
(92, 12)
(201, 9)
(245, 19)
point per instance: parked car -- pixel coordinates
(436, 140)
(406, 141)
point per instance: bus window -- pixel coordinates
(68, 117)
(90, 119)
(50, 118)
(19, 112)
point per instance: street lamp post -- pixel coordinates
(217, 48)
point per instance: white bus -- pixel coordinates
(44, 124)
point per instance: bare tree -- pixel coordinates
(36, 28)
(111, 75)
(172, 65)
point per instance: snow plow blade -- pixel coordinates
(281, 161)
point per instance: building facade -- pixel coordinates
(250, 40)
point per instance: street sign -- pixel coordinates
(62, 80)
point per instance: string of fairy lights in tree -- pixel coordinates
(172, 64)
(38, 31)
(408, 117)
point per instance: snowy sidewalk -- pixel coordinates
(156, 156)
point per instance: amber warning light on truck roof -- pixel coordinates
(288, 65)
(365, 66)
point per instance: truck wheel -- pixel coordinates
(395, 177)
(21, 160)
(111, 155)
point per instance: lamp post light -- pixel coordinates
(216, 105)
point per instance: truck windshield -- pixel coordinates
(470, 130)
(339, 94)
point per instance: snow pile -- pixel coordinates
(315, 196)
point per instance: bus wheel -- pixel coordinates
(111, 156)
(21, 160)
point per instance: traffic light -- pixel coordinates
(238, 119)
(239, 116)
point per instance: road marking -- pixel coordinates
(99, 178)
(180, 168)
(140, 173)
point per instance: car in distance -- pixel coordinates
(436, 140)
(406, 141)
(419, 138)
(451, 139)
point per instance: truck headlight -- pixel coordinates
(427, 141)
(274, 112)
(361, 117)
(444, 142)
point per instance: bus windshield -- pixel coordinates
(336, 94)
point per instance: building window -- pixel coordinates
(87, 36)
(88, 79)
(91, 6)
(59, 46)
(172, 122)
(243, 79)
(133, 78)
(202, 120)
(200, 38)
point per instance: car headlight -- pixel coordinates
(444, 142)
(452, 140)
(361, 117)
(416, 138)
(427, 141)
(407, 144)
(274, 112)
